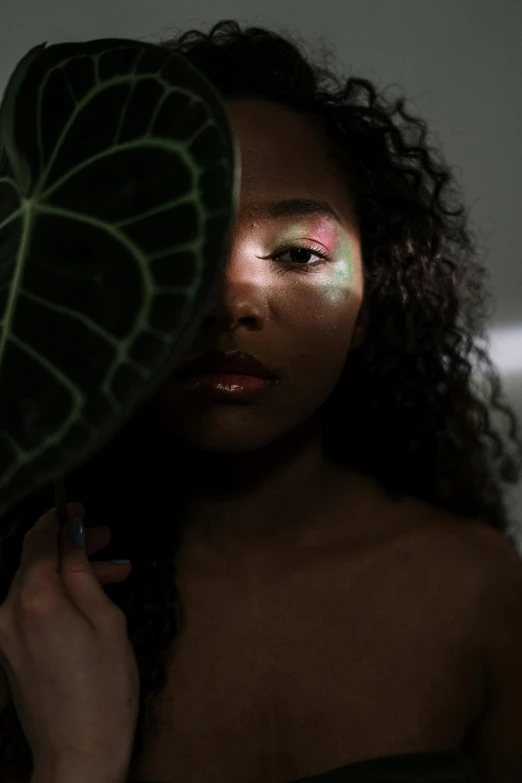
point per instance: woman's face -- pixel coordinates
(295, 311)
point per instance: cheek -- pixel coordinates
(322, 340)
(324, 317)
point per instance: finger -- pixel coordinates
(81, 585)
(110, 573)
(74, 509)
(97, 538)
(39, 558)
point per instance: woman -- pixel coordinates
(320, 565)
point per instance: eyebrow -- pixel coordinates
(302, 206)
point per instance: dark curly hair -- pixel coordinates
(423, 388)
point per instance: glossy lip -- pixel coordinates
(231, 362)
(225, 387)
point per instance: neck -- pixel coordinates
(256, 502)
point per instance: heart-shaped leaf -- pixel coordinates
(116, 214)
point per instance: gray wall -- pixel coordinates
(458, 61)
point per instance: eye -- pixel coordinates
(301, 250)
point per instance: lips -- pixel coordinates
(232, 362)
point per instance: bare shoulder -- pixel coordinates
(455, 557)
(438, 539)
(475, 544)
(497, 566)
(495, 569)
(475, 556)
(469, 539)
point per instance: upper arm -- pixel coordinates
(495, 745)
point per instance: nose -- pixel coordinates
(240, 298)
(232, 308)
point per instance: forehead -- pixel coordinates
(283, 156)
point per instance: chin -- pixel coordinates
(223, 440)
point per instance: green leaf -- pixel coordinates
(116, 216)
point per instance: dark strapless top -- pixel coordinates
(443, 766)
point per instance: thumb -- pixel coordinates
(76, 571)
(72, 534)
(75, 532)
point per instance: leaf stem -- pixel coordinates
(60, 501)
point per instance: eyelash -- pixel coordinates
(308, 248)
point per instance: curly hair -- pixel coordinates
(423, 421)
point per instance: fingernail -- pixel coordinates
(119, 561)
(76, 531)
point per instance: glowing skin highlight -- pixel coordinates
(335, 243)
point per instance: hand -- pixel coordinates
(107, 573)
(65, 650)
